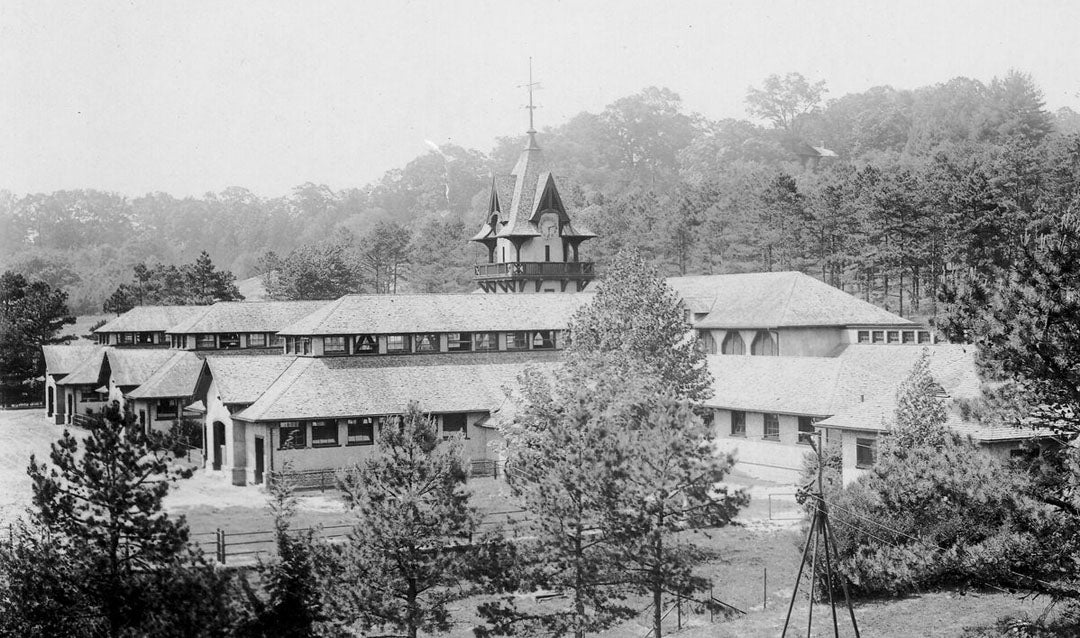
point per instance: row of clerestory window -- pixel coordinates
(353, 431)
(225, 340)
(764, 343)
(428, 342)
(895, 337)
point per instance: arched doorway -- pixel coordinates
(217, 447)
(49, 398)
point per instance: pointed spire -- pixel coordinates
(493, 203)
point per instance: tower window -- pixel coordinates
(547, 253)
(517, 341)
(459, 341)
(427, 343)
(485, 341)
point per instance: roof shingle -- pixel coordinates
(391, 314)
(775, 300)
(248, 316)
(179, 377)
(152, 318)
(243, 379)
(62, 359)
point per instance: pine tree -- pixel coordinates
(412, 517)
(920, 412)
(640, 319)
(122, 564)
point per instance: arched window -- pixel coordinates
(733, 343)
(764, 344)
(706, 342)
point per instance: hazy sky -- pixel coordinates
(190, 96)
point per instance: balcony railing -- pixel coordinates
(536, 270)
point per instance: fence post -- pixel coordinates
(765, 588)
(678, 612)
(220, 545)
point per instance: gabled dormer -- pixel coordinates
(533, 246)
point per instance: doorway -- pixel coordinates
(49, 396)
(70, 406)
(259, 451)
(218, 443)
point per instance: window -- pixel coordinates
(257, 340)
(806, 429)
(864, 336)
(323, 433)
(772, 427)
(365, 344)
(909, 336)
(87, 396)
(360, 431)
(517, 341)
(290, 345)
(127, 338)
(144, 338)
(276, 340)
(485, 341)
(543, 340)
(205, 342)
(924, 337)
(167, 409)
(427, 343)
(764, 344)
(293, 435)
(894, 336)
(865, 452)
(303, 345)
(332, 345)
(879, 336)
(547, 253)
(733, 344)
(229, 341)
(738, 423)
(397, 343)
(454, 423)
(459, 341)
(706, 342)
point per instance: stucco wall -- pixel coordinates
(849, 471)
(809, 342)
(779, 461)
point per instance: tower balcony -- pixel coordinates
(512, 276)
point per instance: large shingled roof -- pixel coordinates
(247, 316)
(133, 367)
(243, 379)
(151, 318)
(775, 300)
(390, 314)
(62, 359)
(855, 390)
(88, 372)
(178, 377)
(339, 387)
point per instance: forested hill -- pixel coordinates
(926, 183)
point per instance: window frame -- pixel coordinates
(805, 435)
(406, 344)
(464, 429)
(765, 427)
(925, 337)
(865, 446)
(166, 416)
(877, 336)
(907, 337)
(144, 338)
(546, 343)
(455, 341)
(892, 337)
(201, 337)
(738, 417)
(479, 337)
(365, 344)
(126, 339)
(422, 338)
(300, 427)
(512, 337)
(862, 336)
(337, 350)
(328, 426)
(360, 423)
(251, 340)
(226, 339)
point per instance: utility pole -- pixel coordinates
(820, 532)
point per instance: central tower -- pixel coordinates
(532, 244)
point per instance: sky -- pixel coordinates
(196, 96)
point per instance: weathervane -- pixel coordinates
(531, 85)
